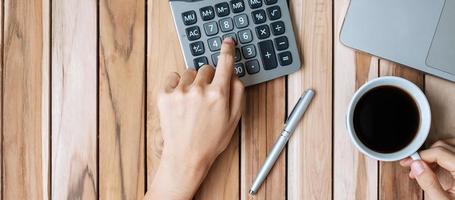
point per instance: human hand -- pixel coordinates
(441, 154)
(198, 113)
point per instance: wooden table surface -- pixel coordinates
(79, 81)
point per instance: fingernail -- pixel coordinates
(229, 40)
(417, 168)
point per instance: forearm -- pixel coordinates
(177, 179)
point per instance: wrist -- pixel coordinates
(178, 177)
(195, 164)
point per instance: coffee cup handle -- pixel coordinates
(416, 156)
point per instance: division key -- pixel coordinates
(268, 55)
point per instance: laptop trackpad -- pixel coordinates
(442, 51)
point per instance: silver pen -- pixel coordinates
(289, 128)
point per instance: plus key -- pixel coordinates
(268, 55)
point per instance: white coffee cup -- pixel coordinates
(425, 119)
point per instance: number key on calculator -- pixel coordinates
(266, 46)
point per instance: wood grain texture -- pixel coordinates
(163, 56)
(276, 113)
(440, 94)
(122, 99)
(1, 100)
(254, 139)
(74, 99)
(355, 175)
(26, 58)
(394, 180)
(262, 123)
(46, 100)
(310, 148)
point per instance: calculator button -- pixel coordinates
(274, 13)
(199, 62)
(222, 9)
(252, 67)
(226, 25)
(281, 43)
(197, 48)
(259, 16)
(211, 28)
(278, 28)
(189, 17)
(255, 3)
(249, 51)
(245, 36)
(193, 33)
(207, 13)
(237, 6)
(268, 56)
(231, 35)
(214, 44)
(239, 70)
(241, 21)
(285, 58)
(263, 32)
(270, 2)
(215, 58)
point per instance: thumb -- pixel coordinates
(427, 180)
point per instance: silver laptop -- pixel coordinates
(416, 33)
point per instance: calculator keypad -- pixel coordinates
(274, 13)
(237, 6)
(241, 21)
(189, 18)
(263, 31)
(255, 3)
(264, 42)
(207, 13)
(268, 55)
(278, 28)
(222, 9)
(226, 24)
(245, 36)
(197, 48)
(214, 44)
(259, 16)
(211, 28)
(193, 33)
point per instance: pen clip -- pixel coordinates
(293, 109)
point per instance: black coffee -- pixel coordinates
(386, 119)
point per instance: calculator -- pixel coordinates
(265, 42)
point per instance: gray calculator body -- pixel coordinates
(275, 54)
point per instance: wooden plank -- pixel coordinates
(276, 114)
(355, 175)
(394, 180)
(25, 130)
(254, 139)
(441, 95)
(163, 56)
(45, 102)
(74, 99)
(122, 99)
(1, 100)
(262, 123)
(310, 148)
